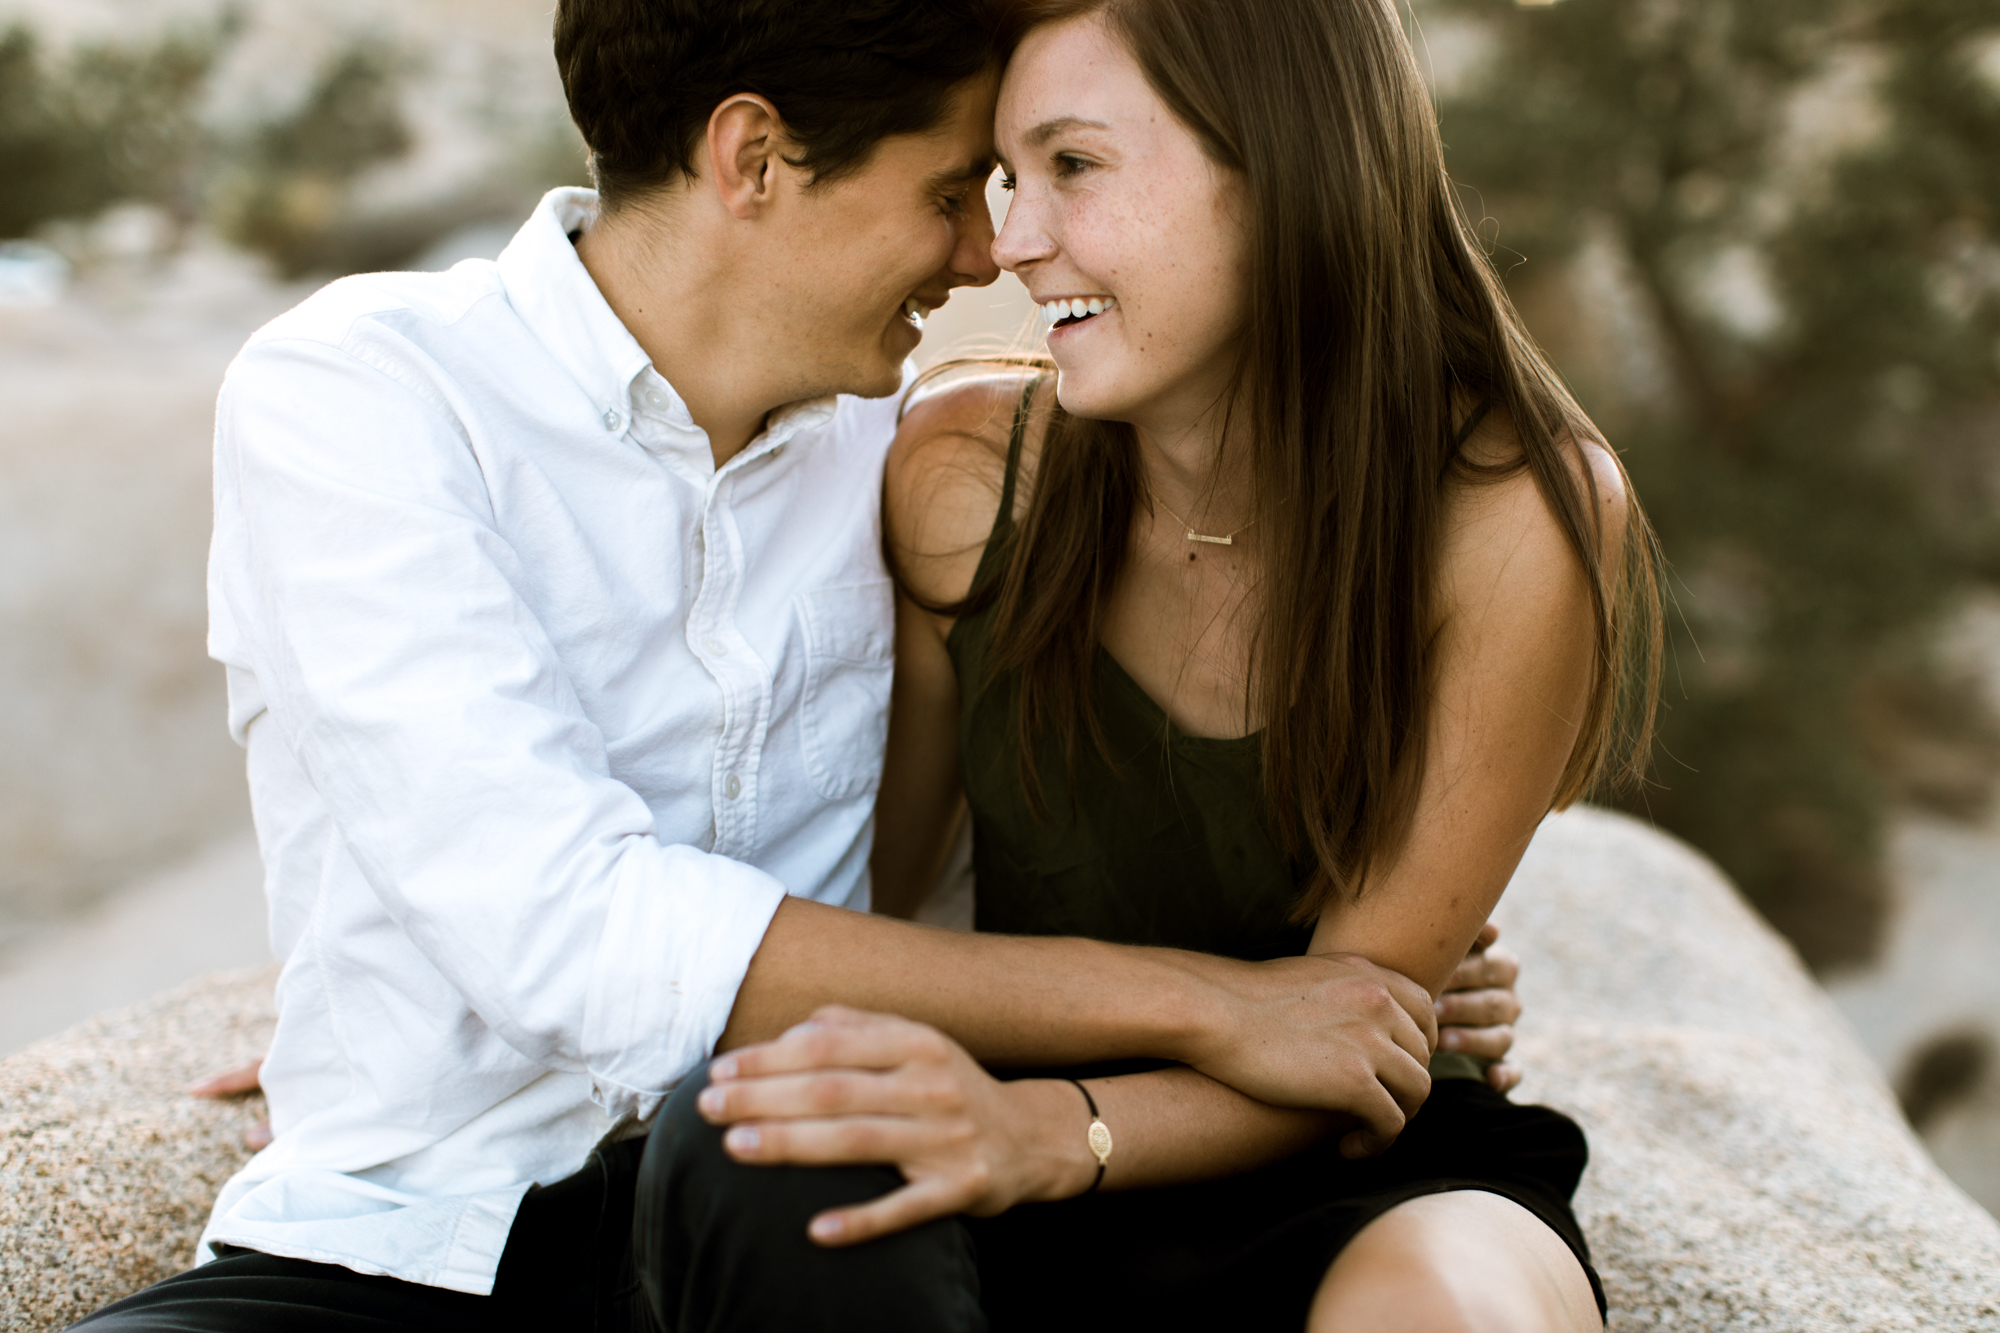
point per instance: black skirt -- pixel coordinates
(1248, 1253)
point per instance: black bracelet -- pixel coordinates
(1100, 1136)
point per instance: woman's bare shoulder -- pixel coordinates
(1503, 537)
(954, 422)
(946, 471)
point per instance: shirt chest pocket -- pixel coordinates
(850, 659)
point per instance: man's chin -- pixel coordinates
(876, 372)
(881, 379)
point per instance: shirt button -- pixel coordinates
(614, 419)
(718, 647)
(734, 787)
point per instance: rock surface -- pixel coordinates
(1750, 1169)
(107, 1168)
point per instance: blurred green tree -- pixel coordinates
(1761, 241)
(106, 125)
(287, 184)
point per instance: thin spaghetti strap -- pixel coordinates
(1005, 519)
(1003, 522)
(1472, 422)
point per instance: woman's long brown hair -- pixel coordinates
(1373, 317)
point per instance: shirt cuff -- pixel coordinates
(678, 939)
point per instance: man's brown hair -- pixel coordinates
(643, 76)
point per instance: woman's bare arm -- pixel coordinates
(918, 806)
(1515, 646)
(941, 493)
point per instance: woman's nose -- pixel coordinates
(1023, 238)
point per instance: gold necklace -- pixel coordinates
(1227, 539)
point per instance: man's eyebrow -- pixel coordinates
(1049, 129)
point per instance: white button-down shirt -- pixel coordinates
(545, 714)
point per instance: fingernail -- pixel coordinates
(826, 1228)
(1437, 1006)
(742, 1139)
(710, 1101)
(723, 1068)
(1449, 1039)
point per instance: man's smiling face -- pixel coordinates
(865, 257)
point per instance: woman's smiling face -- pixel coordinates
(1116, 206)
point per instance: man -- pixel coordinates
(558, 637)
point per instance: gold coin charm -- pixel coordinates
(1099, 1137)
(1100, 1141)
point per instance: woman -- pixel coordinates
(1276, 619)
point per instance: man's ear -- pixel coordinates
(745, 143)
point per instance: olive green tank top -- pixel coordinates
(1162, 841)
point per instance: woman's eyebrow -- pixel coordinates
(1049, 129)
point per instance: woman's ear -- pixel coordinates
(745, 139)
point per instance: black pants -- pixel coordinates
(661, 1235)
(670, 1236)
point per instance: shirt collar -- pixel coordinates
(548, 284)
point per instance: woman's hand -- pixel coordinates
(1477, 1012)
(236, 1083)
(1325, 1032)
(848, 1087)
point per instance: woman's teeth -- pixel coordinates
(914, 313)
(1075, 308)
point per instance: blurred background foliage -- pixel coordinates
(103, 124)
(1760, 240)
(282, 186)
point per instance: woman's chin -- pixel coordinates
(1084, 395)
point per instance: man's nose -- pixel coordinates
(973, 261)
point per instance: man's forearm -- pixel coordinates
(1009, 1000)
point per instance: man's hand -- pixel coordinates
(1478, 1009)
(237, 1083)
(1327, 1032)
(849, 1087)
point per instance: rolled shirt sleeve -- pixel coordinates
(390, 629)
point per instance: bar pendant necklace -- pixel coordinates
(1227, 539)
